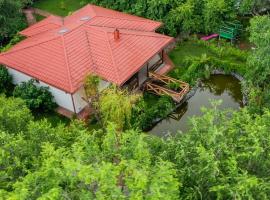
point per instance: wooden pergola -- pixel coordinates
(157, 84)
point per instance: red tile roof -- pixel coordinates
(61, 52)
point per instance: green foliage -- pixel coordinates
(11, 19)
(224, 57)
(178, 16)
(91, 84)
(36, 97)
(5, 80)
(69, 162)
(16, 38)
(259, 60)
(224, 156)
(115, 105)
(258, 65)
(174, 85)
(14, 115)
(144, 113)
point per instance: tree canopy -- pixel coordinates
(11, 19)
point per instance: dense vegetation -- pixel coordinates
(214, 56)
(5, 80)
(36, 97)
(185, 15)
(11, 19)
(225, 154)
(73, 163)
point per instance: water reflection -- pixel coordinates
(224, 87)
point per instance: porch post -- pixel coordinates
(162, 56)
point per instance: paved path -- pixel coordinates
(30, 17)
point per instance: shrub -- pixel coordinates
(16, 39)
(144, 114)
(173, 85)
(14, 115)
(5, 80)
(36, 98)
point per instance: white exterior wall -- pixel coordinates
(79, 103)
(62, 98)
(103, 85)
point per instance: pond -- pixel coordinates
(217, 87)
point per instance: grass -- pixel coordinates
(55, 119)
(58, 7)
(186, 49)
(192, 49)
(52, 117)
(39, 17)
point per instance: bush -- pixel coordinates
(144, 114)
(16, 39)
(224, 57)
(5, 80)
(223, 156)
(14, 115)
(36, 98)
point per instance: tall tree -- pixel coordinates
(11, 19)
(115, 105)
(259, 60)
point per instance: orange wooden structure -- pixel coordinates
(157, 85)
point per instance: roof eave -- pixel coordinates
(160, 49)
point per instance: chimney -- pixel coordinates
(116, 34)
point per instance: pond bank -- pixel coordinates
(218, 86)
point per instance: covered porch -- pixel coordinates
(160, 64)
(152, 78)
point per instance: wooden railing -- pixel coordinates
(161, 90)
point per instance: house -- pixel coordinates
(59, 52)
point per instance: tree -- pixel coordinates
(14, 115)
(259, 60)
(223, 156)
(91, 84)
(36, 97)
(115, 105)
(11, 19)
(5, 80)
(85, 170)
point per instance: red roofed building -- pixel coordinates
(59, 52)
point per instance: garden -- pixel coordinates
(223, 154)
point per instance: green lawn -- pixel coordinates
(58, 7)
(52, 117)
(186, 49)
(192, 48)
(39, 17)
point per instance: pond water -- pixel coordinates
(224, 87)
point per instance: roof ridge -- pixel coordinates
(39, 27)
(91, 6)
(143, 33)
(67, 63)
(90, 51)
(13, 51)
(111, 53)
(138, 20)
